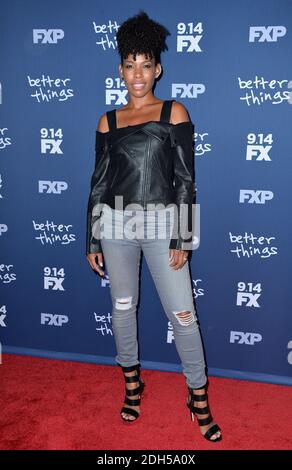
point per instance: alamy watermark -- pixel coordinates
(155, 221)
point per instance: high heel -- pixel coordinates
(205, 410)
(130, 393)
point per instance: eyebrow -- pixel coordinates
(142, 61)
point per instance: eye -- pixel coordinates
(148, 66)
(128, 66)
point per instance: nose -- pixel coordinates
(137, 73)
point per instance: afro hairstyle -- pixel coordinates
(141, 35)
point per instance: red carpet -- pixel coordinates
(53, 404)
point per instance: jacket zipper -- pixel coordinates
(146, 173)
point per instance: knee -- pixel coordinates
(185, 318)
(124, 303)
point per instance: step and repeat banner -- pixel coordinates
(229, 63)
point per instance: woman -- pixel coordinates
(144, 155)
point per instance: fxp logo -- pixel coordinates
(266, 34)
(187, 90)
(245, 338)
(47, 36)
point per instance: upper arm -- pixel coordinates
(179, 113)
(102, 125)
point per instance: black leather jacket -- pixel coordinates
(147, 163)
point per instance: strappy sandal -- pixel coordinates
(130, 393)
(200, 411)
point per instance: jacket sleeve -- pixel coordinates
(184, 186)
(97, 194)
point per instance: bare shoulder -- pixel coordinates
(179, 113)
(102, 125)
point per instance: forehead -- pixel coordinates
(139, 58)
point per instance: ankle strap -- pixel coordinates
(129, 368)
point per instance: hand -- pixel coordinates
(91, 257)
(177, 258)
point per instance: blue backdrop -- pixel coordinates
(229, 62)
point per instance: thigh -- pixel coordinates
(173, 286)
(121, 257)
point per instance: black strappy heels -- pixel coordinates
(193, 397)
(130, 393)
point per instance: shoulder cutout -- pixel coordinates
(103, 124)
(179, 113)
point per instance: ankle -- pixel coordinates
(199, 388)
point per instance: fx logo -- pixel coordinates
(170, 335)
(53, 283)
(55, 187)
(266, 34)
(258, 152)
(47, 36)
(115, 96)
(3, 312)
(248, 299)
(51, 146)
(105, 282)
(53, 319)
(187, 90)
(188, 43)
(255, 196)
(245, 338)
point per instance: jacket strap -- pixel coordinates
(166, 111)
(111, 119)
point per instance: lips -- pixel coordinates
(138, 85)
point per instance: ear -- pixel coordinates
(121, 71)
(158, 70)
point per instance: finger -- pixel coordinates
(100, 264)
(89, 261)
(176, 262)
(97, 266)
(185, 256)
(179, 264)
(180, 260)
(174, 258)
(100, 259)
(94, 265)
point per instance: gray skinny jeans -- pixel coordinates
(122, 242)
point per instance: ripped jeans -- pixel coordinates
(121, 247)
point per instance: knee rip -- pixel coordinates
(123, 303)
(185, 318)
